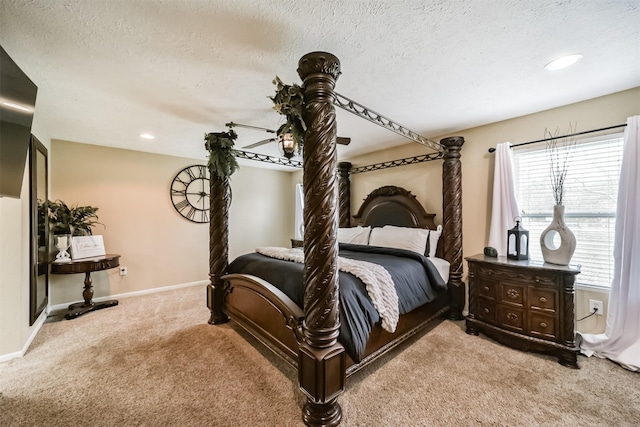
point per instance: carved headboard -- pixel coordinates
(391, 205)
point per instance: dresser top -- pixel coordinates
(531, 264)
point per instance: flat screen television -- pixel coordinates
(17, 105)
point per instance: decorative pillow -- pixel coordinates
(357, 235)
(412, 239)
(434, 236)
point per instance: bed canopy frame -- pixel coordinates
(321, 361)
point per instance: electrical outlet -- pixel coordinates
(123, 272)
(593, 304)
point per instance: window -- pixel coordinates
(590, 197)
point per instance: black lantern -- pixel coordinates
(287, 145)
(518, 242)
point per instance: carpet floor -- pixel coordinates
(154, 361)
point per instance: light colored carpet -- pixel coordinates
(154, 361)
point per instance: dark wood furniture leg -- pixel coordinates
(80, 308)
(87, 266)
(452, 221)
(321, 360)
(219, 202)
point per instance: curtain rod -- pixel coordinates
(492, 149)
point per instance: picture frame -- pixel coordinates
(87, 247)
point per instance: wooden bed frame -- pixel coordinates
(308, 339)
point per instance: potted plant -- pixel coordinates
(73, 220)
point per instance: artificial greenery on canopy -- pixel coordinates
(289, 101)
(222, 162)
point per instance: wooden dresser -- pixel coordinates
(528, 305)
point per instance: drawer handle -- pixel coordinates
(486, 310)
(537, 280)
(543, 325)
(485, 288)
(512, 316)
(543, 299)
(512, 293)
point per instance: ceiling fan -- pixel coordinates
(231, 125)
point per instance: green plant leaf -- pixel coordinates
(219, 145)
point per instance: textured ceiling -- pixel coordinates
(109, 70)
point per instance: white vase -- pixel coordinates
(557, 254)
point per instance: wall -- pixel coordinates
(158, 246)
(15, 332)
(424, 180)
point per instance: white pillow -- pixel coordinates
(390, 236)
(434, 236)
(356, 235)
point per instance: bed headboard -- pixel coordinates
(391, 205)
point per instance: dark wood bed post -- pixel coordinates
(321, 359)
(344, 195)
(219, 202)
(452, 218)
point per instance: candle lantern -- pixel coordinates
(518, 242)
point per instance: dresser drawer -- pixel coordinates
(511, 318)
(512, 293)
(543, 299)
(545, 280)
(486, 288)
(486, 311)
(493, 273)
(542, 326)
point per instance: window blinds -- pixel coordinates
(590, 196)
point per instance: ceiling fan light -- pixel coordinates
(563, 62)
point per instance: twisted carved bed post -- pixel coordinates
(344, 195)
(321, 361)
(452, 218)
(219, 202)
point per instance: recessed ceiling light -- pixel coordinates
(563, 62)
(146, 136)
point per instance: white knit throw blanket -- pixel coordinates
(376, 278)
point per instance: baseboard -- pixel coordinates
(36, 328)
(136, 293)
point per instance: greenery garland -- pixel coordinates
(222, 162)
(289, 101)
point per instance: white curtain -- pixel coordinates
(299, 218)
(621, 340)
(505, 205)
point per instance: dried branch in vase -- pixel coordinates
(559, 150)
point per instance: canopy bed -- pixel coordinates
(308, 333)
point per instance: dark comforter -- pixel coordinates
(416, 281)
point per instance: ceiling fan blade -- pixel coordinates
(343, 140)
(231, 125)
(259, 143)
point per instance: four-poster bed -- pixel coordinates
(307, 334)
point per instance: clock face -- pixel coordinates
(190, 193)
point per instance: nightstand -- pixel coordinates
(527, 305)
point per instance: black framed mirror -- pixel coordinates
(39, 225)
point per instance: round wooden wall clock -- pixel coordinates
(190, 193)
